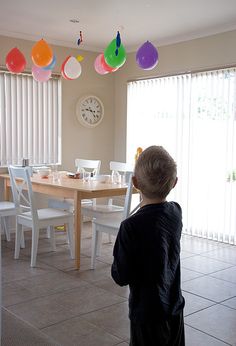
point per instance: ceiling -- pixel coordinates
(159, 21)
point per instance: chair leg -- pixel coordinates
(70, 235)
(94, 246)
(34, 245)
(98, 243)
(5, 228)
(52, 237)
(18, 240)
(48, 232)
(22, 241)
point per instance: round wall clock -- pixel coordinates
(89, 111)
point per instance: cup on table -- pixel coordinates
(55, 174)
(86, 176)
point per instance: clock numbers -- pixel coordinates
(90, 111)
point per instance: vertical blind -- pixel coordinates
(30, 120)
(194, 117)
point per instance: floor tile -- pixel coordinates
(58, 307)
(188, 274)
(200, 264)
(79, 332)
(195, 303)
(230, 303)
(20, 269)
(114, 319)
(210, 288)
(218, 321)
(197, 245)
(225, 254)
(194, 337)
(226, 274)
(109, 285)
(41, 285)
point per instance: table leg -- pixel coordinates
(6, 191)
(77, 227)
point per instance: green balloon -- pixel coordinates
(110, 56)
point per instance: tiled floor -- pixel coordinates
(86, 308)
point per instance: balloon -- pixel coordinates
(98, 65)
(15, 61)
(64, 76)
(101, 66)
(147, 56)
(41, 54)
(52, 64)
(62, 68)
(41, 75)
(80, 58)
(107, 67)
(110, 56)
(71, 68)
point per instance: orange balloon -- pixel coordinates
(42, 54)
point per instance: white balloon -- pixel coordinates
(72, 68)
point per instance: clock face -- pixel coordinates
(90, 111)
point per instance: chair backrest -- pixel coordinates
(22, 191)
(128, 196)
(83, 165)
(122, 167)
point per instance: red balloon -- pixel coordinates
(15, 61)
(107, 67)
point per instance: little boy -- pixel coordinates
(147, 255)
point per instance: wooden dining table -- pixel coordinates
(75, 189)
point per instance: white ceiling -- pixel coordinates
(159, 21)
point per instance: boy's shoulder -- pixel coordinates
(143, 215)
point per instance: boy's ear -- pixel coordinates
(134, 179)
(176, 180)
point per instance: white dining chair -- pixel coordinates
(110, 224)
(7, 208)
(95, 210)
(28, 215)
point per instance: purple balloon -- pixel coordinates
(147, 56)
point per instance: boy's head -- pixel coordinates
(155, 172)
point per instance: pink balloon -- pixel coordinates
(99, 67)
(41, 75)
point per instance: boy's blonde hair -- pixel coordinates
(155, 172)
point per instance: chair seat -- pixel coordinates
(47, 214)
(101, 208)
(113, 222)
(6, 206)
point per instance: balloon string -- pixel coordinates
(80, 40)
(118, 42)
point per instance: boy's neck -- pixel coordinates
(146, 200)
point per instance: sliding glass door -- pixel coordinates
(193, 117)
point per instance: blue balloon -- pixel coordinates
(51, 65)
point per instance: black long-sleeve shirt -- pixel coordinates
(147, 258)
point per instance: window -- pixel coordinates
(193, 117)
(30, 120)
